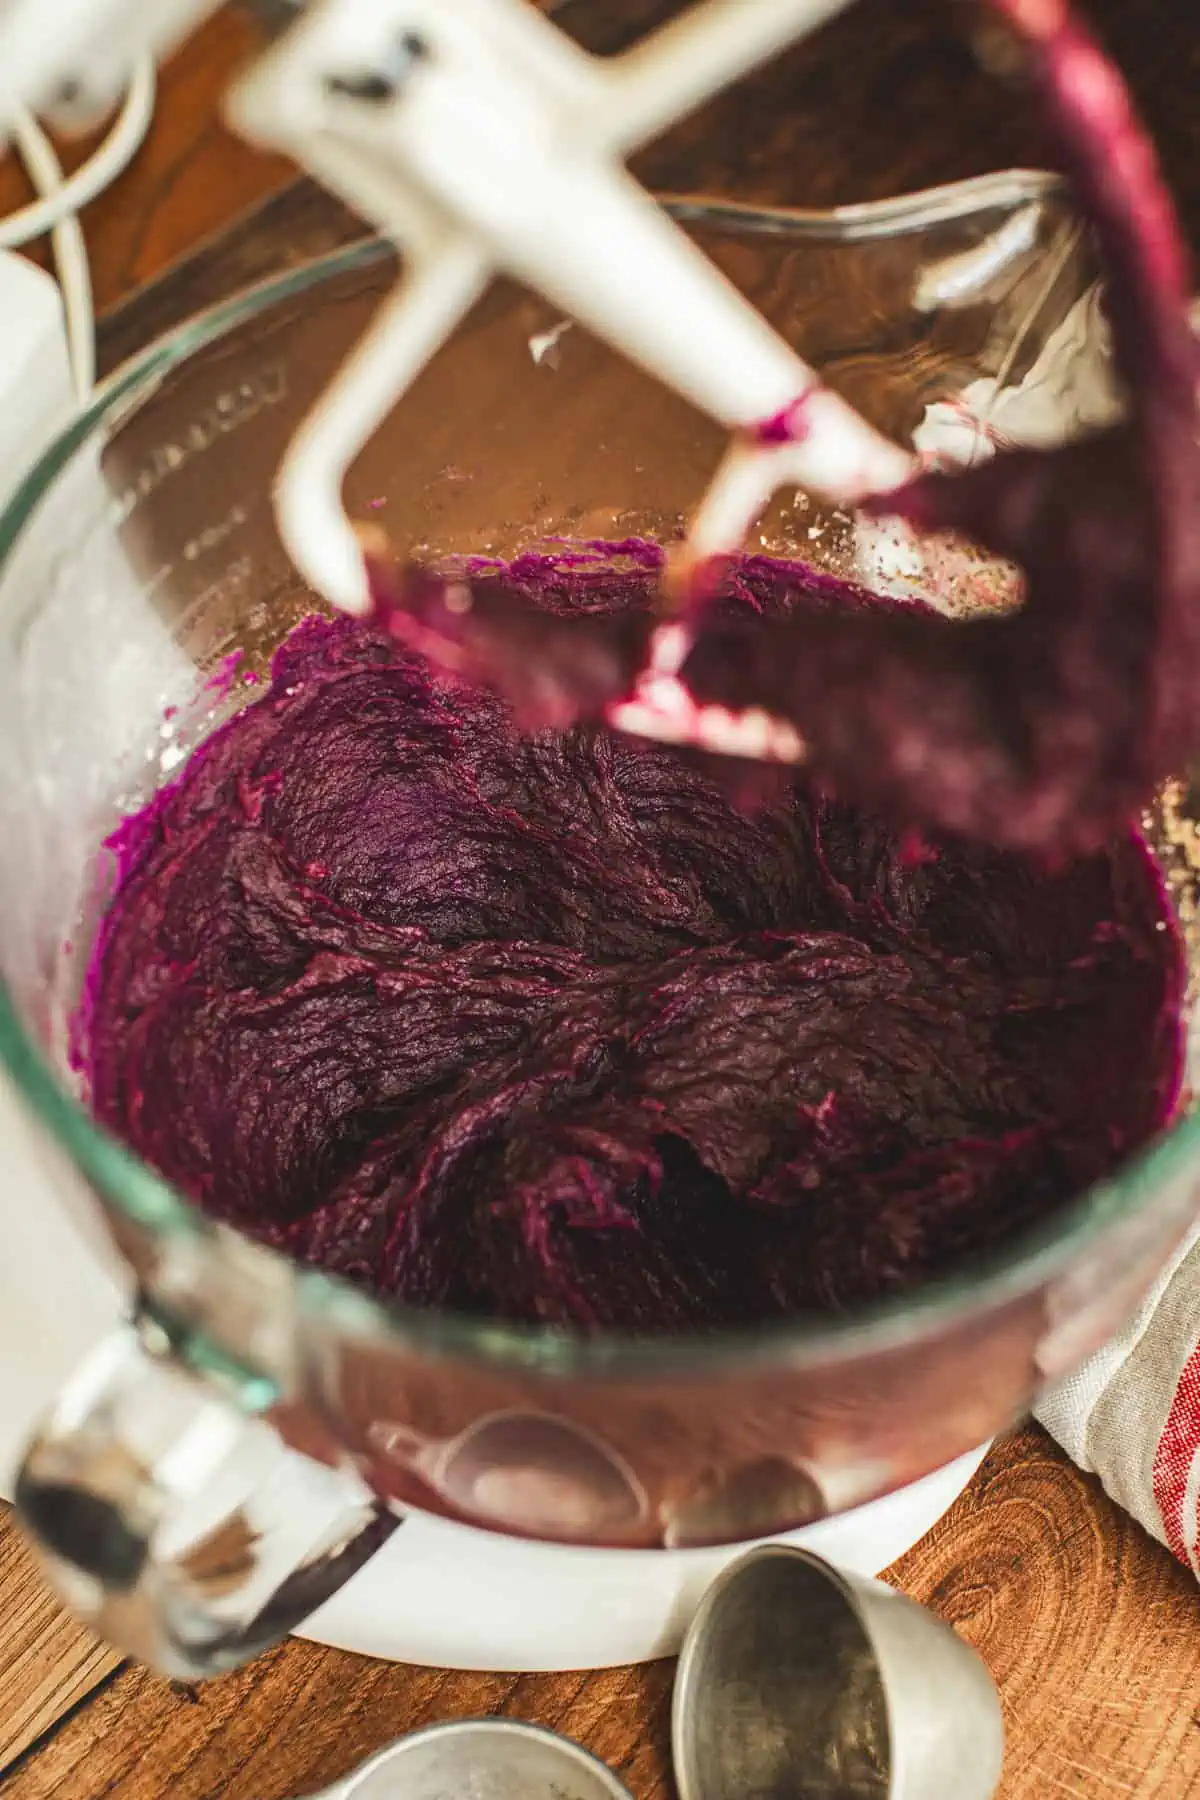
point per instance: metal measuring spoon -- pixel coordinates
(797, 1682)
(480, 1759)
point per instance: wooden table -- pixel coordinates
(1091, 1630)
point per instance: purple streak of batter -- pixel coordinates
(542, 1027)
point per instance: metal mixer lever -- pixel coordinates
(483, 141)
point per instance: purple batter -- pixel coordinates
(544, 1027)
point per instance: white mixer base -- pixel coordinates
(454, 1598)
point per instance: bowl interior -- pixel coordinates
(144, 588)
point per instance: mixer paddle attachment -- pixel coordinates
(485, 142)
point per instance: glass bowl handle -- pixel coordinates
(178, 1523)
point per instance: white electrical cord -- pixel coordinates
(70, 251)
(97, 173)
(59, 200)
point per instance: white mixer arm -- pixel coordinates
(482, 139)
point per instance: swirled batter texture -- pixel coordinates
(544, 1027)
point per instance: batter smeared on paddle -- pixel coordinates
(1046, 729)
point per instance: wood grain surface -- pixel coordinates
(1091, 1630)
(48, 1662)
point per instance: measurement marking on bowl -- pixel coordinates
(216, 534)
(230, 410)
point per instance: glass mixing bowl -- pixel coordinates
(252, 1435)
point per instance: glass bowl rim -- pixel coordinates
(123, 1181)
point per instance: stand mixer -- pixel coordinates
(484, 143)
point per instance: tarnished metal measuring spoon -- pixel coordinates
(480, 1759)
(797, 1682)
